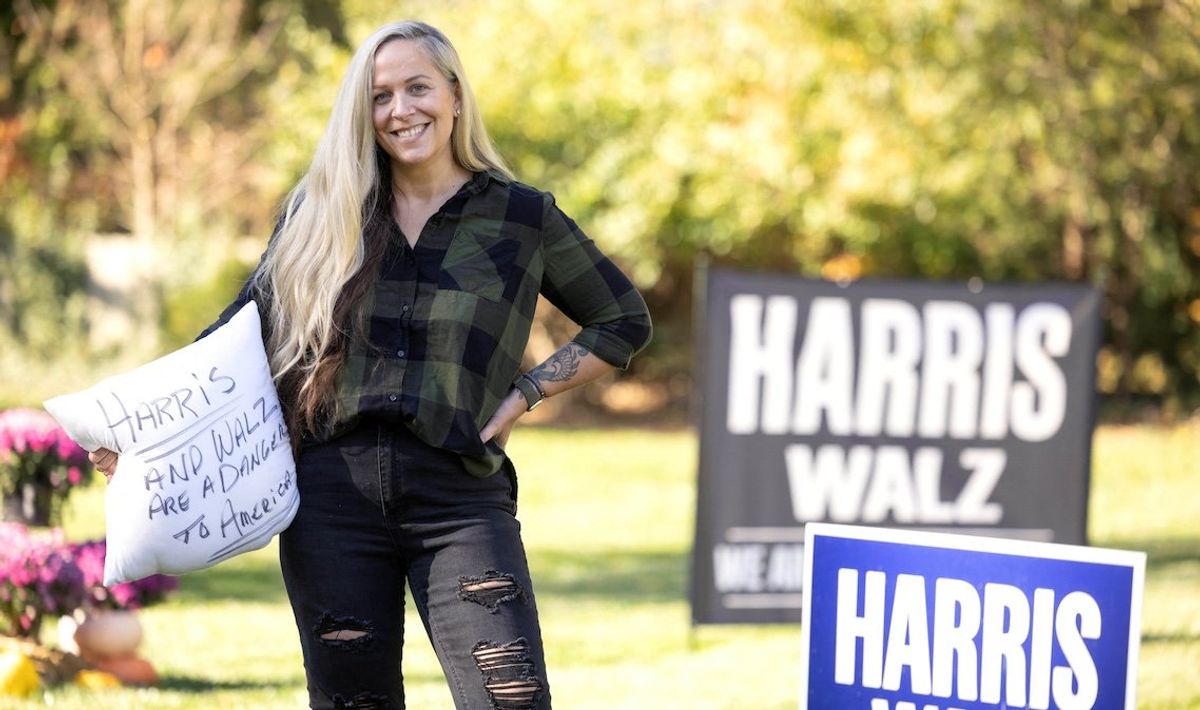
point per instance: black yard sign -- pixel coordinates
(916, 404)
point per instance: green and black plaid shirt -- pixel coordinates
(448, 320)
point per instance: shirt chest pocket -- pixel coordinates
(478, 263)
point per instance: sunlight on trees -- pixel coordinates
(999, 139)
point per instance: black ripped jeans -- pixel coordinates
(379, 507)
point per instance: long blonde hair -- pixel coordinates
(318, 265)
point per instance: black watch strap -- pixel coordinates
(531, 390)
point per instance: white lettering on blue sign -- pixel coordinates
(976, 651)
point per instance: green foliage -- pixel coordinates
(185, 138)
(1000, 139)
(41, 296)
(1013, 140)
(191, 308)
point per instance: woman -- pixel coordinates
(398, 293)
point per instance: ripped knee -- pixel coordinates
(508, 674)
(343, 632)
(490, 590)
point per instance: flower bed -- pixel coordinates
(43, 575)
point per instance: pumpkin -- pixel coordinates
(96, 680)
(18, 675)
(130, 670)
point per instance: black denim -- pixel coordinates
(378, 507)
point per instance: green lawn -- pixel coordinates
(608, 539)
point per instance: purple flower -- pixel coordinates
(89, 557)
(38, 577)
(35, 450)
(41, 574)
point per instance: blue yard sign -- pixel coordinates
(905, 620)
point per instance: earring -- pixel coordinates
(456, 112)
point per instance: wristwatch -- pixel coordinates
(530, 389)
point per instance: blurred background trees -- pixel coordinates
(998, 139)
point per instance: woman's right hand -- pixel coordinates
(105, 461)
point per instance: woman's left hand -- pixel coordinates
(507, 414)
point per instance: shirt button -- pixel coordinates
(399, 353)
(404, 308)
(393, 397)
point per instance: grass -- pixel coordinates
(608, 519)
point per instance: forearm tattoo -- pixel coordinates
(562, 365)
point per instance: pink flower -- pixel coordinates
(89, 556)
(37, 578)
(35, 450)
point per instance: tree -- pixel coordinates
(146, 75)
(999, 139)
(1012, 140)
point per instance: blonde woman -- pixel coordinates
(398, 293)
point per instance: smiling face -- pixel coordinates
(413, 107)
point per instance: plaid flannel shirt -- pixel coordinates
(448, 320)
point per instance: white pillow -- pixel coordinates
(205, 469)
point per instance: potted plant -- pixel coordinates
(41, 575)
(39, 467)
(105, 631)
(38, 578)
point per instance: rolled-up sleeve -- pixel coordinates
(590, 290)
